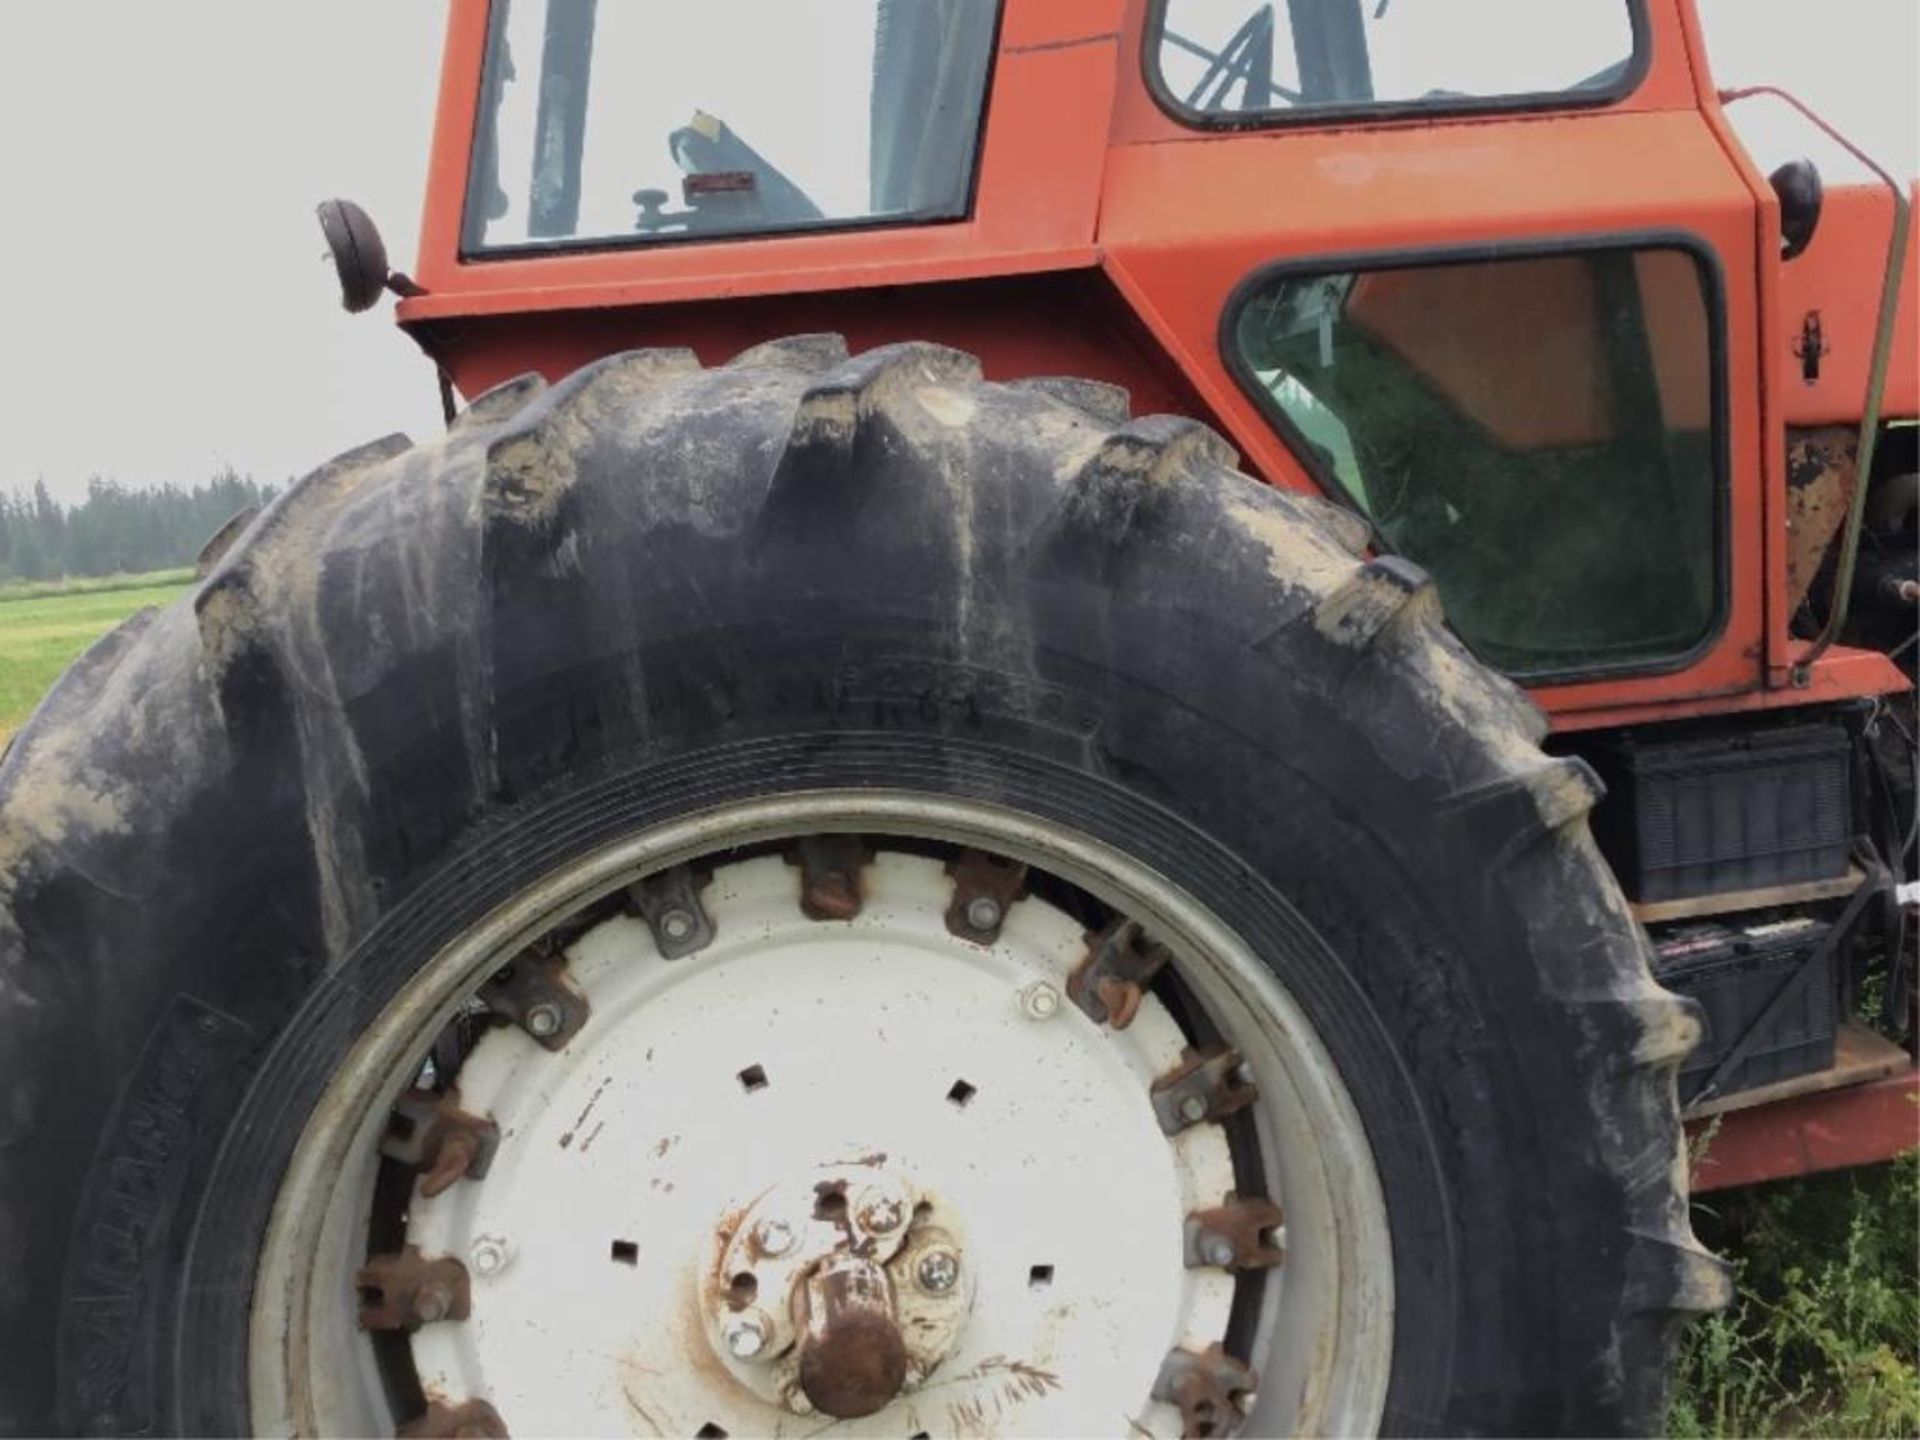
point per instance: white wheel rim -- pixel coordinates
(699, 1084)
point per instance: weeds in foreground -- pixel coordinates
(1823, 1337)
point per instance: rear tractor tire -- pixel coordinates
(819, 890)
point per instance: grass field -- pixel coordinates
(1821, 1340)
(44, 627)
(1824, 1331)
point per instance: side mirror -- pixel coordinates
(1797, 183)
(359, 256)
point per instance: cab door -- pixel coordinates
(1487, 271)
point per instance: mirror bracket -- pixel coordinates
(360, 256)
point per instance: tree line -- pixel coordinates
(117, 530)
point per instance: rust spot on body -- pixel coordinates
(1821, 470)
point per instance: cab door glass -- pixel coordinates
(1538, 433)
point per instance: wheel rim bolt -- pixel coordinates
(1194, 1108)
(543, 1022)
(676, 924)
(488, 1256)
(746, 1334)
(984, 913)
(1040, 1001)
(775, 1237)
(938, 1271)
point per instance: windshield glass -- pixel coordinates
(1237, 57)
(627, 122)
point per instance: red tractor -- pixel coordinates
(887, 835)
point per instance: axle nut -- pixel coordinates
(938, 1271)
(746, 1334)
(882, 1214)
(774, 1237)
(853, 1360)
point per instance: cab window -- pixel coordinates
(1238, 61)
(1539, 433)
(629, 123)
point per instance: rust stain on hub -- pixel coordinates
(852, 1359)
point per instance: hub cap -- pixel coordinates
(837, 1134)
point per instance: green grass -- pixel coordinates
(44, 628)
(1823, 1335)
(92, 584)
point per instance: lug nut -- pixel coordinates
(1193, 1108)
(489, 1256)
(775, 1237)
(676, 924)
(1040, 1001)
(746, 1334)
(882, 1214)
(984, 913)
(543, 1021)
(938, 1272)
(1218, 1251)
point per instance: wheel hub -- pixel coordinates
(909, 1101)
(815, 1138)
(840, 1291)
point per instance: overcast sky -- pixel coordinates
(167, 307)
